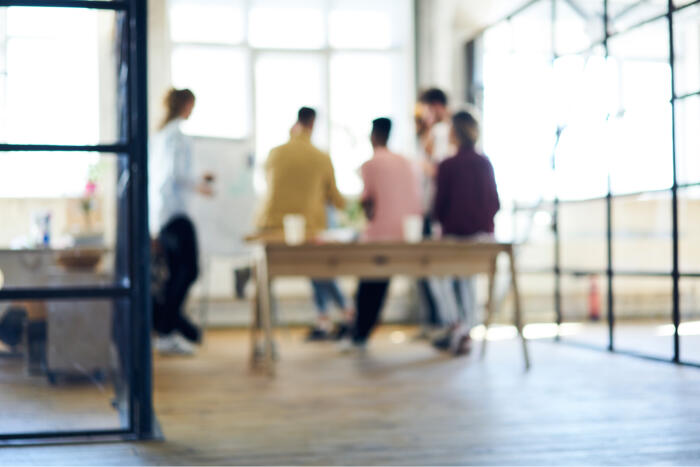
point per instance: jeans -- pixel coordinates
(326, 291)
(458, 296)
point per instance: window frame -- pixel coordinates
(406, 51)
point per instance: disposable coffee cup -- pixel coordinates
(294, 229)
(412, 229)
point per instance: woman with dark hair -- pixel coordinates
(466, 202)
(170, 186)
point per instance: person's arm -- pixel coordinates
(182, 162)
(333, 195)
(493, 204)
(367, 196)
(182, 169)
(442, 200)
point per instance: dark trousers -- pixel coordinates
(431, 314)
(178, 243)
(370, 300)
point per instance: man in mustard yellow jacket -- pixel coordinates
(300, 180)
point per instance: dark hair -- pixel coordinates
(175, 101)
(381, 128)
(466, 128)
(433, 96)
(306, 116)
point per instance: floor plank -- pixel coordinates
(406, 404)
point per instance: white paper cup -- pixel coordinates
(294, 229)
(412, 229)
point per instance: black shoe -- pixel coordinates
(11, 326)
(341, 331)
(316, 334)
(443, 343)
(242, 277)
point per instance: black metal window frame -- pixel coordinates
(610, 272)
(133, 147)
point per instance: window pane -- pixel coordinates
(532, 29)
(287, 24)
(64, 233)
(643, 315)
(640, 143)
(219, 79)
(686, 30)
(208, 21)
(524, 110)
(367, 24)
(537, 298)
(583, 235)
(383, 94)
(642, 233)
(624, 14)
(71, 374)
(532, 231)
(61, 77)
(689, 329)
(577, 25)
(688, 139)
(584, 309)
(583, 91)
(278, 100)
(689, 229)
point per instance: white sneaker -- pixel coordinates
(348, 347)
(173, 344)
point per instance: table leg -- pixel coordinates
(490, 306)
(518, 309)
(263, 281)
(254, 326)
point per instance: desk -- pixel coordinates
(372, 260)
(78, 332)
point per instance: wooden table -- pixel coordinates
(430, 258)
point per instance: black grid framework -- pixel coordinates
(130, 295)
(610, 273)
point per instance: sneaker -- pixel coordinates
(443, 341)
(461, 344)
(173, 345)
(340, 332)
(317, 334)
(350, 347)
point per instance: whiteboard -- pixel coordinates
(225, 219)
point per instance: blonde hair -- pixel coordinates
(175, 101)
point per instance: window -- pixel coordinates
(60, 96)
(278, 100)
(350, 60)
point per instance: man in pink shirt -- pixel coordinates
(391, 192)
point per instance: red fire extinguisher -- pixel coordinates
(593, 299)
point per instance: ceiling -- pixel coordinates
(473, 15)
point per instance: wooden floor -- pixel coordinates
(406, 404)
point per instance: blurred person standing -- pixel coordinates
(466, 202)
(171, 184)
(301, 180)
(391, 192)
(434, 143)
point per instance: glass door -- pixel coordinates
(74, 320)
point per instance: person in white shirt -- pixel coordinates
(436, 294)
(170, 186)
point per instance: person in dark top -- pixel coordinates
(467, 199)
(466, 202)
